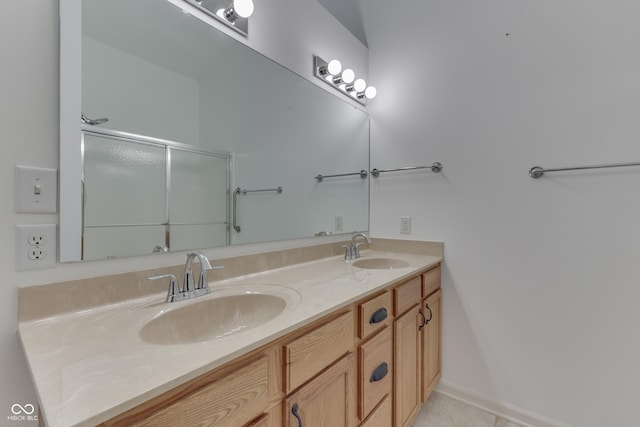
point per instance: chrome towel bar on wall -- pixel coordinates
(435, 167)
(538, 171)
(363, 174)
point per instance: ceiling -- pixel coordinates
(348, 13)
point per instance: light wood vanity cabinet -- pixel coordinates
(416, 344)
(371, 364)
(327, 400)
(431, 335)
(407, 352)
(262, 421)
(320, 390)
(431, 345)
(307, 355)
(374, 314)
(234, 399)
(375, 372)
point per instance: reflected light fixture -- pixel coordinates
(233, 13)
(343, 80)
(345, 77)
(239, 9)
(330, 69)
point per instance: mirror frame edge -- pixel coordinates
(70, 182)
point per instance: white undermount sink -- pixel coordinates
(224, 312)
(380, 263)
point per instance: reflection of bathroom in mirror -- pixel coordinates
(192, 115)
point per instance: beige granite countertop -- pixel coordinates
(91, 365)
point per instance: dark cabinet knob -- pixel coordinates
(378, 316)
(380, 372)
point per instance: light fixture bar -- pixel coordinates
(225, 11)
(343, 80)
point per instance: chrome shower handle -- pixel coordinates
(93, 122)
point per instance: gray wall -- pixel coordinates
(541, 277)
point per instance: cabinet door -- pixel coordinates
(328, 400)
(431, 343)
(407, 366)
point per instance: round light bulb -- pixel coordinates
(334, 67)
(244, 8)
(359, 85)
(348, 75)
(370, 92)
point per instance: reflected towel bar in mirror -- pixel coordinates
(363, 174)
(435, 167)
(244, 193)
(538, 171)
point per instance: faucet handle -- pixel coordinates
(356, 250)
(174, 288)
(350, 252)
(205, 266)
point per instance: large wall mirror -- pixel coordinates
(190, 139)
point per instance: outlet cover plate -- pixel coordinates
(405, 225)
(36, 247)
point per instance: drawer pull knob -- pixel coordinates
(378, 316)
(379, 373)
(294, 411)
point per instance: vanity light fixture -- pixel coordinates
(343, 80)
(235, 14)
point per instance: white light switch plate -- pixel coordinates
(36, 190)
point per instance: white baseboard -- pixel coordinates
(496, 407)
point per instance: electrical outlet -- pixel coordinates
(35, 246)
(37, 239)
(405, 225)
(37, 254)
(338, 223)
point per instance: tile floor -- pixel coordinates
(443, 411)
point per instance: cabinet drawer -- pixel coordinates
(374, 314)
(381, 416)
(407, 295)
(375, 378)
(231, 401)
(430, 281)
(314, 351)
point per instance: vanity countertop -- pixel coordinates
(91, 365)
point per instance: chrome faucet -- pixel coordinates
(189, 289)
(352, 251)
